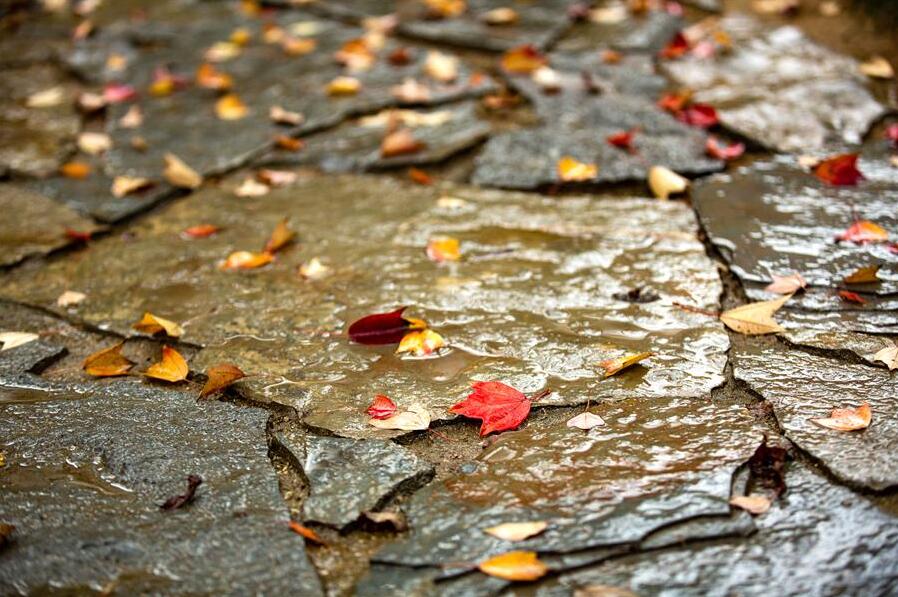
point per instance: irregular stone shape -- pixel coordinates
(820, 539)
(88, 468)
(864, 346)
(801, 386)
(356, 146)
(35, 225)
(350, 476)
(636, 33)
(34, 141)
(780, 89)
(27, 358)
(532, 302)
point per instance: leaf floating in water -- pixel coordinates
(753, 504)
(847, 419)
(499, 406)
(414, 418)
(754, 319)
(108, 362)
(586, 421)
(179, 501)
(613, 366)
(420, 343)
(383, 328)
(864, 231)
(151, 324)
(306, 533)
(786, 284)
(381, 408)
(220, 377)
(570, 169)
(840, 170)
(863, 275)
(514, 565)
(171, 368)
(517, 531)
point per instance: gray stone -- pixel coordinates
(28, 358)
(801, 386)
(644, 33)
(87, 469)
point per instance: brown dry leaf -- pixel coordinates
(280, 237)
(664, 182)
(250, 187)
(786, 284)
(69, 298)
(420, 343)
(180, 174)
(13, 339)
(847, 419)
(231, 107)
(246, 260)
(314, 269)
(889, 356)
(877, 67)
(443, 249)
(288, 143)
(586, 421)
(517, 531)
(523, 60)
(76, 170)
(306, 533)
(151, 324)
(500, 16)
(514, 565)
(282, 116)
(413, 418)
(863, 275)
(220, 377)
(139, 143)
(401, 142)
(613, 366)
(342, 86)
(108, 362)
(94, 143)
(441, 67)
(171, 368)
(570, 169)
(754, 318)
(125, 185)
(753, 504)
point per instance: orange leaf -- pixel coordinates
(280, 237)
(847, 419)
(400, 142)
(342, 86)
(523, 60)
(571, 170)
(220, 377)
(298, 47)
(852, 297)
(355, 55)
(864, 231)
(612, 366)
(246, 260)
(231, 107)
(211, 78)
(108, 362)
(288, 143)
(306, 532)
(514, 565)
(179, 174)
(77, 170)
(150, 324)
(446, 8)
(420, 176)
(420, 343)
(839, 170)
(863, 275)
(200, 231)
(443, 249)
(171, 368)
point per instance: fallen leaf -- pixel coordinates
(852, 297)
(342, 86)
(48, 98)
(69, 298)
(355, 55)
(218, 377)
(611, 56)
(420, 176)
(664, 182)
(276, 178)
(420, 343)
(569, 169)
(623, 140)
(200, 231)
(753, 504)
(151, 324)
(754, 318)
(280, 237)
(139, 143)
(840, 170)
(445, 8)
(381, 408)
(125, 185)
(165, 82)
(699, 115)
(209, 77)
(246, 260)
(76, 170)
(847, 419)
(230, 107)
(410, 91)
(716, 149)
(585, 421)
(314, 269)
(12, 339)
(78, 235)
(413, 418)
(523, 60)
(179, 174)
(94, 143)
(514, 565)
(305, 532)
(877, 67)
(603, 591)
(108, 362)
(281, 116)
(499, 406)
(179, 501)
(500, 16)
(401, 142)
(222, 51)
(613, 366)
(400, 57)
(547, 78)
(888, 356)
(768, 466)
(863, 275)
(383, 328)
(171, 368)
(298, 47)
(674, 102)
(775, 7)
(441, 67)
(786, 284)
(443, 249)
(864, 231)
(675, 48)
(250, 187)
(517, 531)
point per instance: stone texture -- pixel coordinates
(801, 386)
(532, 302)
(88, 468)
(644, 33)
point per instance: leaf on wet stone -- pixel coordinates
(862, 232)
(717, 149)
(517, 531)
(570, 169)
(446, 8)
(411, 91)
(209, 77)
(523, 60)
(288, 143)
(343, 86)
(420, 343)
(753, 504)
(786, 284)
(548, 79)
(219, 377)
(847, 419)
(152, 324)
(109, 362)
(125, 185)
(677, 47)
(239, 260)
(623, 139)
(172, 367)
(179, 501)
(420, 177)
(355, 55)
(306, 533)
(69, 298)
(94, 143)
(888, 356)
(514, 565)
(250, 187)
(200, 231)
(414, 417)
(314, 269)
(877, 67)
(6, 533)
(852, 297)
(179, 174)
(281, 116)
(400, 142)
(381, 407)
(383, 328)
(614, 366)
(231, 107)
(698, 115)
(443, 249)
(76, 170)
(276, 178)
(499, 406)
(78, 236)
(502, 15)
(10, 340)
(863, 275)
(395, 521)
(280, 237)
(839, 170)
(585, 421)
(664, 182)
(755, 318)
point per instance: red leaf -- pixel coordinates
(499, 406)
(77, 235)
(716, 149)
(852, 297)
(115, 93)
(674, 102)
(892, 135)
(839, 170)
(623, 140)
(382, 328)
(675, 48)
(700, 115)
(381, 408)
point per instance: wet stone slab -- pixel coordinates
(537, 300)
(82, 461)
(349, 476)
(780, 89)
(820, 539)
(643, 33)
(35, 225)
(802, 386)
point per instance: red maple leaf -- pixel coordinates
(499, 406)
(700, 115)
(623, 140)
(382, 328)
(716, 149)
(381, 408)
(839, 170)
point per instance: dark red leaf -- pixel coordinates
(839, 170)
(400, 56)
(77, 235)
(700, 115)
(675, 48)
(179, 501)
(892, 134)
(499, 406)
(623, 140)
(381, 328)
(716, 149)
(381, 408)
(852, 297)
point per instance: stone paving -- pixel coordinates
(290, 488)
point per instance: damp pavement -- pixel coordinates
(282, 111)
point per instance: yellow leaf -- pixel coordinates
(171, 368)
(246, 260)
(517, 531)
(220, 377)
(151, 324)
(180, 174)
(222, 51)
(108, 362)
(280, 237)
(441, 67)
(571, 170)
(420, 343)
(211, 78)
(753, 504)
(499, 16)
(446, 8)
(230, 107)
(612, 366)
(514, 565)
(443, 249)
(754, 318)
(664, 182)
(47, 98)
(125, 185)
(94, 143)
(847, 419)
(863, 275)
(342, 86)
(877, 67)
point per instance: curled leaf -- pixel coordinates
(151, 324)
(443, 249)
(716, 149)
(888, 356)
(613, 366)
(381, 408)
(586, 421)
(840, 170)
(664, 182)
(569, 169)
(420, 343)
(699, 115)
(125, 185)
(786, 284)
(179, 174)
(852, 297)
(179, 501)
(753, 504)
(499, 406)
(306, 533)
(246, 260)
(514, 565)
(517, 531)
(877, 67)
(383, 328)
(400, 142)
(754, 318)
(219, 377)
(171, 368)
(108, 362)
(847, 419)
(280, 237)
(413, 418)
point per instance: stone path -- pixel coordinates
(549, 284)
